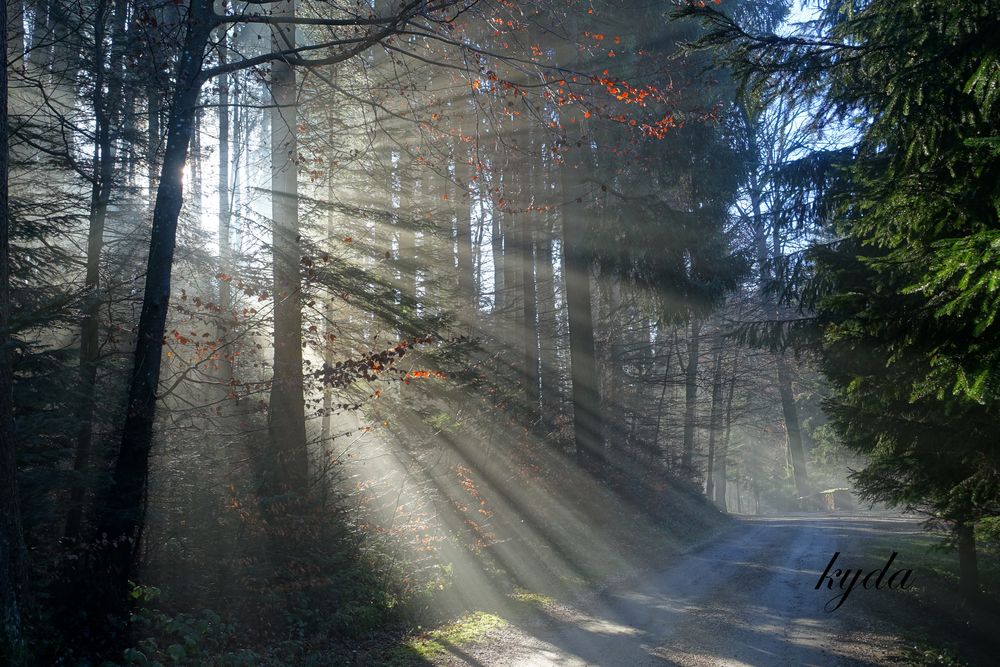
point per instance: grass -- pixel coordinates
(936, 621)
(922, 654)
(462, 632)
(924, 553)
(532, 598)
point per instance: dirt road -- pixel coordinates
(747, 598)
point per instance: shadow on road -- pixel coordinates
(748, 598)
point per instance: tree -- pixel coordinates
(106, 109)
(905, 297)
(775, 214)
(120, 520)
(12, 552)
(599, 199)
(287, 421)
(225, 214)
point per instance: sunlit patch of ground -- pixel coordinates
(464, 631)
(745, 598)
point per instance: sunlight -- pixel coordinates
(495, 333)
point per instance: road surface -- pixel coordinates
(746, 598)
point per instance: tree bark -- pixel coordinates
(545, 298)
(586, 393)
(468, 299)
(722, 455)
(36, 41)
(286, 417)
(793, 431)
(122, 510)
(325, 437)
(225, 222)
(713, 424)
(496, 246)
(768, 260)
(409, 205)
(661, 405)
(63, 62)
(739, 494)
(530, 325)
(14, 24)
(614, 407)
(12, 552)
(105, 108)
(510, 321)
(968, 567)
(152, 135)
(690, 398)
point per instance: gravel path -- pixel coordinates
(746, 598)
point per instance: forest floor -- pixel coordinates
(748, 597)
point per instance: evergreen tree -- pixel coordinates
(906, 298)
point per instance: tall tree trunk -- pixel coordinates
(545, 293)
(466, 272)
(496, 246)
(14, 24)
(409, 191)
(225, 223)
(528, 282)
(105, 109)
(325, 437)
(510, 321)
(286, 417)
(615, 408)
(690, 398)
(793, 431)
(739, 494)
(477, 247)
(968, 567)
(129, 127)
(506, 179)
(152, 134)
(195, 169)
(530, 325)
(37, 42)
(713, 423)
(722, 455)
(121, 515)
(661, 404)
(12, 552)
(768, 261)
(578, 258)
(64, 61)
(586, 392)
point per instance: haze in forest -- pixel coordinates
(387, 332)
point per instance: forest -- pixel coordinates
(340, 332)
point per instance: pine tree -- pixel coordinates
(907, 298)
